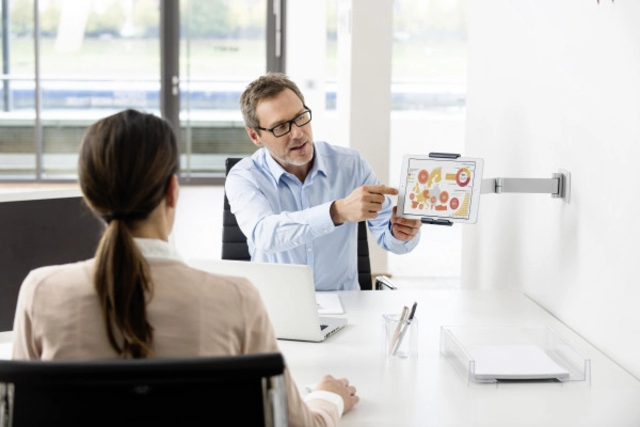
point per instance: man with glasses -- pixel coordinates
(298, 201)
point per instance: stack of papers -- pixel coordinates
(514, 362)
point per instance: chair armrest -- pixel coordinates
(384, 283)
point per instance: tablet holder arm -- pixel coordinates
(559, 186)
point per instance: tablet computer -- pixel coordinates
(440, 189)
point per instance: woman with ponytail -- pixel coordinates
(137, 298)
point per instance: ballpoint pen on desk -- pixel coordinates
(403, 317)
(405, 326)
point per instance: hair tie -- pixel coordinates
(115, 215)
(124, 216)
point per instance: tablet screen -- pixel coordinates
(440, 188)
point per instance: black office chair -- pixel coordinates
(234, 243)
(195, 391)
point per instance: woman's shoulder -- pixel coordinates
(64, 272)
(55, 279)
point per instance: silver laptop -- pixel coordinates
(288, 293)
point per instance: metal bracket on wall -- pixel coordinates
(559, 185)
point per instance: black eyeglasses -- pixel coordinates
(284, 128)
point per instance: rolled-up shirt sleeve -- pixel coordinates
(381, 230)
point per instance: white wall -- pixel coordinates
(556, 84)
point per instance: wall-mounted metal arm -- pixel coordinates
(559, 185)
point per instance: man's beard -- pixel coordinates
(295, 162)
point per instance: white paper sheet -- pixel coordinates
(329, 303)
(514, 362)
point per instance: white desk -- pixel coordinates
(428, 391)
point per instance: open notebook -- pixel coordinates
(288, 293)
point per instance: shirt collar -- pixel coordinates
(319, 165)
(276, 170)
(157, 250)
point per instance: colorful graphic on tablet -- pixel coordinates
(443, 190)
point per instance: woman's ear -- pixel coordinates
(172, 191)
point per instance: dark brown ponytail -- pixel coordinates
(125, 164)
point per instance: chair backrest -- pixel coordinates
(195, 391)
(234, 242)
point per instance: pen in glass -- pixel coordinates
(396, 334)
(405, 326)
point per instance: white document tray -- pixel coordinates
(491, 354)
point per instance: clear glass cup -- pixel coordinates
(400, 339)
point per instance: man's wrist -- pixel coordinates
(333, 211)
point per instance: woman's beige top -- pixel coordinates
(192, 312)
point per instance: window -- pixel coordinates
(222, 49)
(429, 73)
(90, 59)
(17, 118)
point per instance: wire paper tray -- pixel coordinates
(491, 354)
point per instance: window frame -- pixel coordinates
(169, 79)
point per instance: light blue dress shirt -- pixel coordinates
(288, 221)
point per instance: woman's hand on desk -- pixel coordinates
(341, 387)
